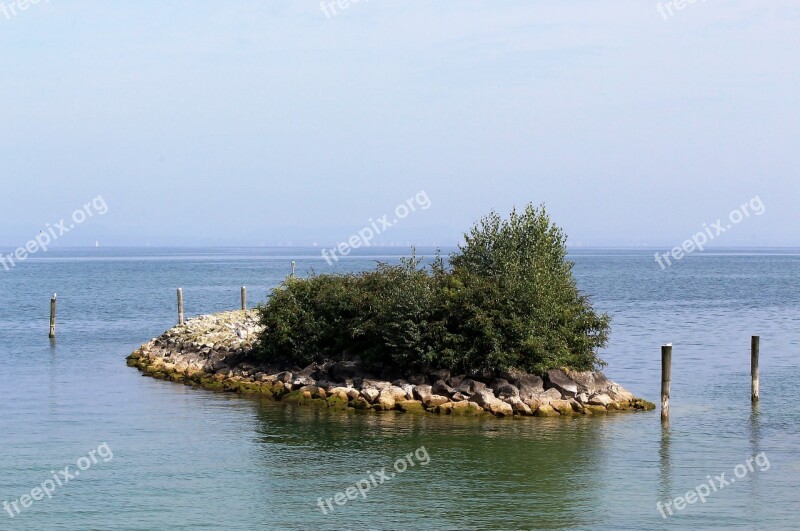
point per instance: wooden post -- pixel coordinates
(754, 348)
(666, 377)
(244, 298)
(293, 267)
(53, 316)
(180, 306)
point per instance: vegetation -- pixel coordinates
(507, 299)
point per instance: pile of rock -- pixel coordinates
(215, 352)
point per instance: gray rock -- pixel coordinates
(370, 394)
(459, 397)
(455, 381)
(558, 379)
(529, 386)
(421, 392)
(441, 388)
(441, 374)
(469, 386)
(285, 377)
(600, 400)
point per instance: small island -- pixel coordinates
(501, 329)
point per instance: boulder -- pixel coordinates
(370, 394)
(582, 398)
(529, 386)
(506, 390)
(520, 407)
(486, 399)
(469, 387)
(441, 374)
(455, 381)
(441, 388)
(458, 397)
(385, 401)
(600, 400)
(285, 377)
(547, 411)
(435, 400)
(584, 380)
(619, 393)
(562, 406)
(421, 392)
(411, 406)
(558, 379)
(417, 379)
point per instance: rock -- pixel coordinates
(529, 386)
(458, 397)
(421, 392)
(455, 381)
(594, 409)
(600, 400)
(385, 401)
(441, 374)
(285, 377)
(496, 383)
(562, 406)
(303, 380)
(361, 403)
(584, 380)
(601, 383)
(411, 406)
(582, 398)
(370, 394)
(547, 411)
(549, 395)
(486, 399)
(441, 388)
(520, 407)
(576, 406)
(435, 400)
(417, 379)
(397, 393)
(558, 379)
(469, 387)
(506, 390)
(619, 393)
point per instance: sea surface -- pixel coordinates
(193, 459)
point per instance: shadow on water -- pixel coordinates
(554, 465)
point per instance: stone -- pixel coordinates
(411, 406)
(558, 379)
(455, 381)
(547, 411)
(486, 399)
(584, 380)
(385, 401)
(549, 395)
(370, 394)
(435, 400)
(441, 374)
(506, 390)
(458, 397)
(582, 398)
(421, 392)
(619, 393)
(285, 377)
(562, 406)
(469, 387)
(303, 380)
(600, 400)
(520, 407)
(441, 388)
(417, 379)
(529, 386)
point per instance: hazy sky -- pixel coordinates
(247, 123)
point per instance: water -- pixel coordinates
(189, 459)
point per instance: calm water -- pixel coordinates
(188, 459)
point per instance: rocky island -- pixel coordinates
(217, 352)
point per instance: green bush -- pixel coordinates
(506, 300)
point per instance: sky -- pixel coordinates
(291, 122)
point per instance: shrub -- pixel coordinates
(508, 299)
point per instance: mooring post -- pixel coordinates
(754, 348)
(180, 306)
(293, 267)
(53, 316)
(244, 298)
(666, 377)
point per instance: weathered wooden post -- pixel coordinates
(293, 267)
(754, 348)
(244, 298)
(666, 377)
(53, 316)
(180, 306)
